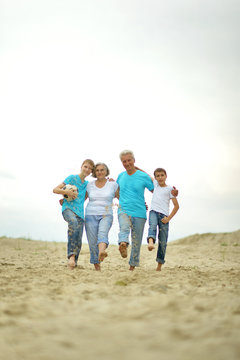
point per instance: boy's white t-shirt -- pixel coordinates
(161, 198)
(100, 199)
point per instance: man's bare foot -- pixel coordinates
(159, 267)
(102, 255)
(97, 267)
(132, 268)
(151, 244)
(71, 262)
(123, 249)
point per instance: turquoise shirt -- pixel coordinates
(131, 193)
(77, 205)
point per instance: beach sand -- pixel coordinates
(189, 310)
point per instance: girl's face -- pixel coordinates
(161, 178)
(101, 172)
(86, 169)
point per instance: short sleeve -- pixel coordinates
(149, 183)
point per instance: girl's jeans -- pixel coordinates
(154, 222)
(97, 229)
(136, 225)
(75, 232)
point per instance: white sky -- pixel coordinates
(87, 79)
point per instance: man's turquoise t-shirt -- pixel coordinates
(131, 193)
(77, 205)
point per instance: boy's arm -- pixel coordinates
(59, 190)
(166, 219)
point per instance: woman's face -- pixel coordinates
(101, 172)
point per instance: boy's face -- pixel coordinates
(86, 169)
(161, 178)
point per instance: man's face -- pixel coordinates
(128, 162)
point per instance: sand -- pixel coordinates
(189, 310)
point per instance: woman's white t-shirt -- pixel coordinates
(161, 198)
(100, 199)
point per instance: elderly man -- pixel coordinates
(132, 208)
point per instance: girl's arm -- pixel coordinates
(166, 219)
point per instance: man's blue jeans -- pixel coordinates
(75, 232)
(97, 229)
(136, 225)
(154, 222)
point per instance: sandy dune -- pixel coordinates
(190, 310)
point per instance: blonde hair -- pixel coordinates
(90, 162)
(126, 152)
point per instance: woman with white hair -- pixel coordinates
(99, 213)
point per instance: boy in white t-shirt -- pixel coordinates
(159, 215)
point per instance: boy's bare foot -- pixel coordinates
(151, 244)
(132, 268)
(97, 267)
(71, 262)
(159, 267)
(102, 255)
(123, 249)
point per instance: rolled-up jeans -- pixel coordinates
(97, 229)
(136, 226)
(155, 220)
(75, 232)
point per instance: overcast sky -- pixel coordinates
(88, 79)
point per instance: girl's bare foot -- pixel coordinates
(159, 267)
(71, 262)
(151, 244)
(97, 267)
(102, 255)
(123, 249)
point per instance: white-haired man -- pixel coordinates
(132, 208)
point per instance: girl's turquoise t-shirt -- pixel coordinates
(131, 195)
(77, 205)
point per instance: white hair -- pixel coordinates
(126, 152)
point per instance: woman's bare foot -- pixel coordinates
(102, 256)
(151, 244)
(132, 268)
(123, 249)
(71, 262)
(97, 267)
(159, 267)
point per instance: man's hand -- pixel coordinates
(174, 192)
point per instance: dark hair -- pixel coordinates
(160, 170)
(100, 163)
